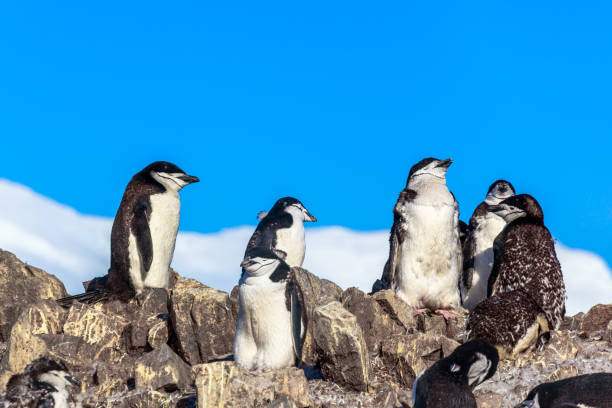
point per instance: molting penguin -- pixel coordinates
(423, 264)
(450, 381)
(484, 227)
(526, 264)
(143, 234)
(584, 391)
(282, 231)
(45, 383)
(271, 325)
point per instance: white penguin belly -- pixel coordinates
(264, 339)
(428, 270)
(291, 241)
(163, 226)
(488, 227)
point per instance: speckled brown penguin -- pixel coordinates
(526, 289)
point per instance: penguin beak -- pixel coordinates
(309, 217)
(189, 179)
(526, 404)
(445, 163)
(72, 380)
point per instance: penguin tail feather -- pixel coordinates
(90, 297)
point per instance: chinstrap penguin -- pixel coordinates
(484, 227)
(584, 391)
(271, 326)
(144, 233)
(449, 382)
(281, 230)
(526, 290)
(424, 255)
(45, 384)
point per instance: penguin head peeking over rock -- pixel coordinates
(583, 391)
(45, 383)
(282, 231)
(450, 381)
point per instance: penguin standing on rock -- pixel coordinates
(424, 256)
(526, 277)
(144, 232)
(44, 384)
(583, 391)
(271, 325)
(484, 227)
(450, 381)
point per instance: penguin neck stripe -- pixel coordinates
(169, 178)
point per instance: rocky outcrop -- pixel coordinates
(313, 292)
(361, 350)
(341, 347)
(596, 320)
(21, 285)
(202, 320)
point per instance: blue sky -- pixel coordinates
(331, 103)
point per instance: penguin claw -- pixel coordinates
(447, 314)
(419, 311)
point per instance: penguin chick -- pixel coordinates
(583, 391)
(525, 258)
(282, 231)
(45, 383)
(511, 321)
(484, 227)
(449, 382)
(271, 326)
(423, 264)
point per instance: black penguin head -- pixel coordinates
(294, 207)
(476, 361)
(429, 168)
(499, 191)
(52, 372)
(265, 262)
(167, 174)
(522, 205)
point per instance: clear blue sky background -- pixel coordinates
(331, 102)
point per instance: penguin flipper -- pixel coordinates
(298, 319)
(142, 232)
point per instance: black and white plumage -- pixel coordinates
(281, 230)
(484, 227)
(44, 384)
(271, 323)
(144, 233)
(583, 391)
(424, 255)
(525, 288)
(450, 381)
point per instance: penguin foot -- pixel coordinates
(419, 311)
(447, 314)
